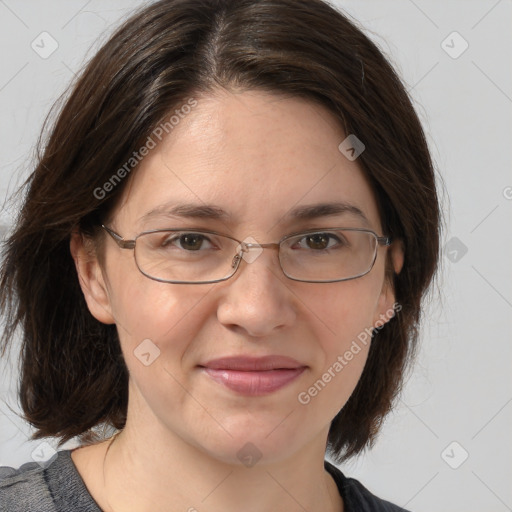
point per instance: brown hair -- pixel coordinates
(73, 376)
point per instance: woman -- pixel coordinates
(203, 133)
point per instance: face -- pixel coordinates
(256, 156)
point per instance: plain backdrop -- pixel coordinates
(446, 446)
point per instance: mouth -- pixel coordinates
(253, 376)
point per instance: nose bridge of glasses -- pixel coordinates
(245, 247)
(249, 245)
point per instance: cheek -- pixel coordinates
(166, 314)
(341, 311)
(344, 315)
(157, 326)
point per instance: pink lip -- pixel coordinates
(254, 376)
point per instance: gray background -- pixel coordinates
(460, 391)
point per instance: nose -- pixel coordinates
(257, 299)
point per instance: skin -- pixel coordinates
(256, 155)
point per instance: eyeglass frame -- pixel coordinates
(385, 241)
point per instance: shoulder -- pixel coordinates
(54, 487)
(24, 489)
(356, 497)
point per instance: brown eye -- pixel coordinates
(319, 241)
(191, 241)
(186, 241)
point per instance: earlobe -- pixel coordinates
(91, 278)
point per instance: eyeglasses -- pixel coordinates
(197, 257)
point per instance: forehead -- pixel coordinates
(253, 154)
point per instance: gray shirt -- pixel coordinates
(58, 487)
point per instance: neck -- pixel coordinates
(142, 473)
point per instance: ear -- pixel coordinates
(91, 278)
(386, 305)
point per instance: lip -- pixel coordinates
(253, 376)
(248, 363)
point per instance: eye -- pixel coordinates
(187, 241)
(320, 241)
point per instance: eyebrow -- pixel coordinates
(192, 211)
(325, 210)
(209, 211)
